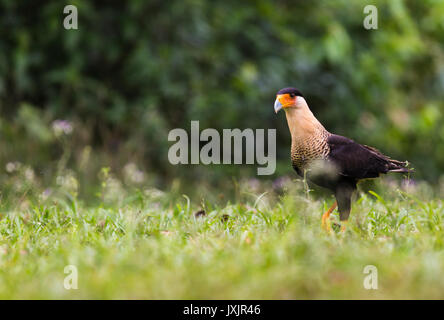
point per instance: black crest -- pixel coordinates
(292, 91)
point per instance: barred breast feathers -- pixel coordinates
(308, 135)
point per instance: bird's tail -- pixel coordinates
(400, 166)
(393, 165)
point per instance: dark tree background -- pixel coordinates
(136, 69)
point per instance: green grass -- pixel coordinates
(269, 247)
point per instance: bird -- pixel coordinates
(329, 160)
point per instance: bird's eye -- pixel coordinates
(292, 95)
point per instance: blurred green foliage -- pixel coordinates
(136, 69)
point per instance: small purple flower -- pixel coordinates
(409, 185)
(45, 194)
(62, 127)
(281, 183)
(253, 184)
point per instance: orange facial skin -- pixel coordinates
(286, 100)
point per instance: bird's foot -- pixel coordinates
(343, 226)
(325, 218)
(339, 228)
(326, 224)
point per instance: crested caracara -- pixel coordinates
(329, 160)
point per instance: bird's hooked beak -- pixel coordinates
(277, 105)
(284, 101)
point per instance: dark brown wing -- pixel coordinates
(359, 161)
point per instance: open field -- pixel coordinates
(263, 247)
(120, 121)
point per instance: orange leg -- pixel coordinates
(326, 215)
(343, 226)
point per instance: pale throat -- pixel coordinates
(303, 125)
